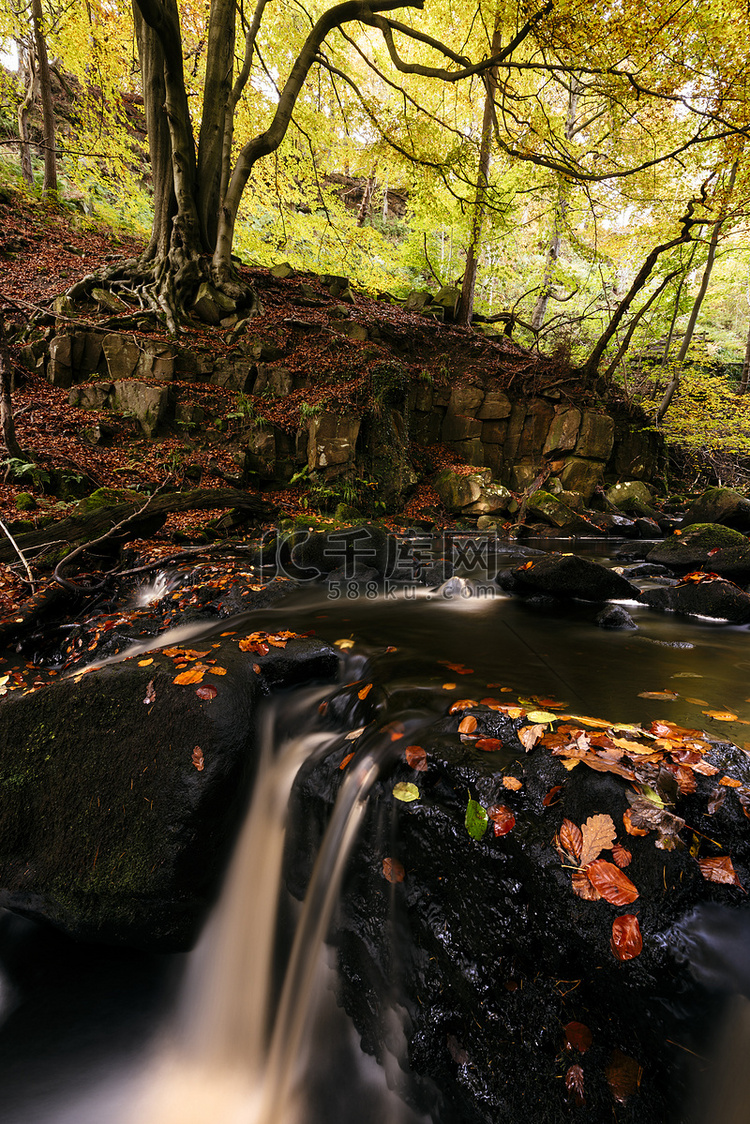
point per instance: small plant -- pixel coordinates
(26, 470)
(308, 410)
(246, 411)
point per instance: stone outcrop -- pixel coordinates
(692, 548)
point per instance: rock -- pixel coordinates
(522, 476)
(355, 331)
(582, 476)
(552, 510)
(495, 406)
(122, 354)
(640, 454)
(91, 395)
(258, 455)
(96, 435)
(460, 427)
(563, 433)
(60, 366)
(308, 556)
(417, 300)
(615, 617)
(345, 513)
(719, 505)
(457, 491)
(211, 305)
(565, 575)
(632, 496)
(465, 400)
(596, 437)
(647, 528)
(146, 402)
(447, 299)
(645, 570)
(386, 458)
(714, 597)
(108, 302)
(692, 547)
(486, 523)
(232, 372)
(281, 271)
(493, 498)
(117, 814)
(332, 440)
(731, 562)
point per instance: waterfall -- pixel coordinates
(227, 1058)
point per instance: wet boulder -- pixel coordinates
(121, 790)
(615, 617)
(720, 505)
(566, 575)
(710, 597)
(693, 547)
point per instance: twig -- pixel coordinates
(18, 551)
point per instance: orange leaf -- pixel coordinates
(630, 826)
(621, 855)
(730, 782)
(511, 783)
(578, 1037)
(197, 759)
(668, 695)
(583, 887)
(467, 725)
(144, 663)
(623, 1073)
(393, 870)
(721, 715)
(192, 675)
(462, 704)
(614, 886)
(599, 834)
(416, 757)
(459, 668)
(719, 869)
(552, 795)
(365, 691)
(530, 735)
(449, 686)
(346, 761)
(571, 839)
(216, 670)
(626, 941)
(489, 745)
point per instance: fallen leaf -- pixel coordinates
(467, 725)
(346, 761)
(511, 783)
(462, 704)
(449, 686)
(206, 692)
(552, 795)
(393, 870)
(459, 668)
(216, 670)
(406, 791)
(720, 869)
(489, 745)
(695, 702)
(614, 886)
(623, 1076)
(621, 855)
(721, 715)
(141, 663)
(718, 796)
(530, 735)
(197, 758)
(365, 691)
(354, 734)
(574, 1086)
(669, 696)
(598, 834)
(730, 782)
(626, 941)
(344, 644)
(416, 757)
(630, 827)
(192, 675)
(577, 1037)
(543, 716)
(502, 817)
(571, 839)
(584, 887)
(150, 693)
(476, 819)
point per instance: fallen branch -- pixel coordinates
(15, 546)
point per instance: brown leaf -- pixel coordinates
(630, 827)
(621, 855)
(571, 839)
(623, 1075)
(197, 759)
(502, 818)
(584, 888)
(207, 692)
(599, 834)
(718, 796)
(626, 941)
(720, 869)
(467, 725)
(489, 745)
(577, 1037)
(346, 761)
(666, 695)
(552, 795)
(614, 886)
(730, 782)
(511, 783)
(150, 693)
(416, 757)
(530, 735)
(393, 870)
(462, 704)
(574, 1086)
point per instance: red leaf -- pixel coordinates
(489, 745)
(583, 887)
(206, 692)
(719, 869)
(621, 855)
(502, 818)
(393, 870)
(551, 795)
(629, 825)
(574, 1085)
(571, 838)
(614, 886)
(197, 759)
(416, 757)
(626, 941)
(578, 1037)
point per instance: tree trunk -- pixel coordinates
(561, 207)
(45, 87)
(745, 367)
(159, 141)
(217, 93)
(7, 424)
(468, 286)
(27, 71)
(676, 310)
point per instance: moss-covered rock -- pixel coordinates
(692, 547)
(720, 505)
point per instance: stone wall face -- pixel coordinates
(516, 440)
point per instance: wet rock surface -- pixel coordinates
(488, 960)
(566, 575)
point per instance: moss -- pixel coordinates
(106, 497)
(25, 501)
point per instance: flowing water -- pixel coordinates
(85, 1038)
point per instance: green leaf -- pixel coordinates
(406, 791)
(476, 820)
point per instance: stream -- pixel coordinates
(94, 1035)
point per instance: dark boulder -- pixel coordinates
(121, 790)
(693, 547)
(732, 562)
(615, 617)
(714, 597)
(565, 575)
(719, 505)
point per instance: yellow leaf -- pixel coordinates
(543, 716)
(144, 663)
